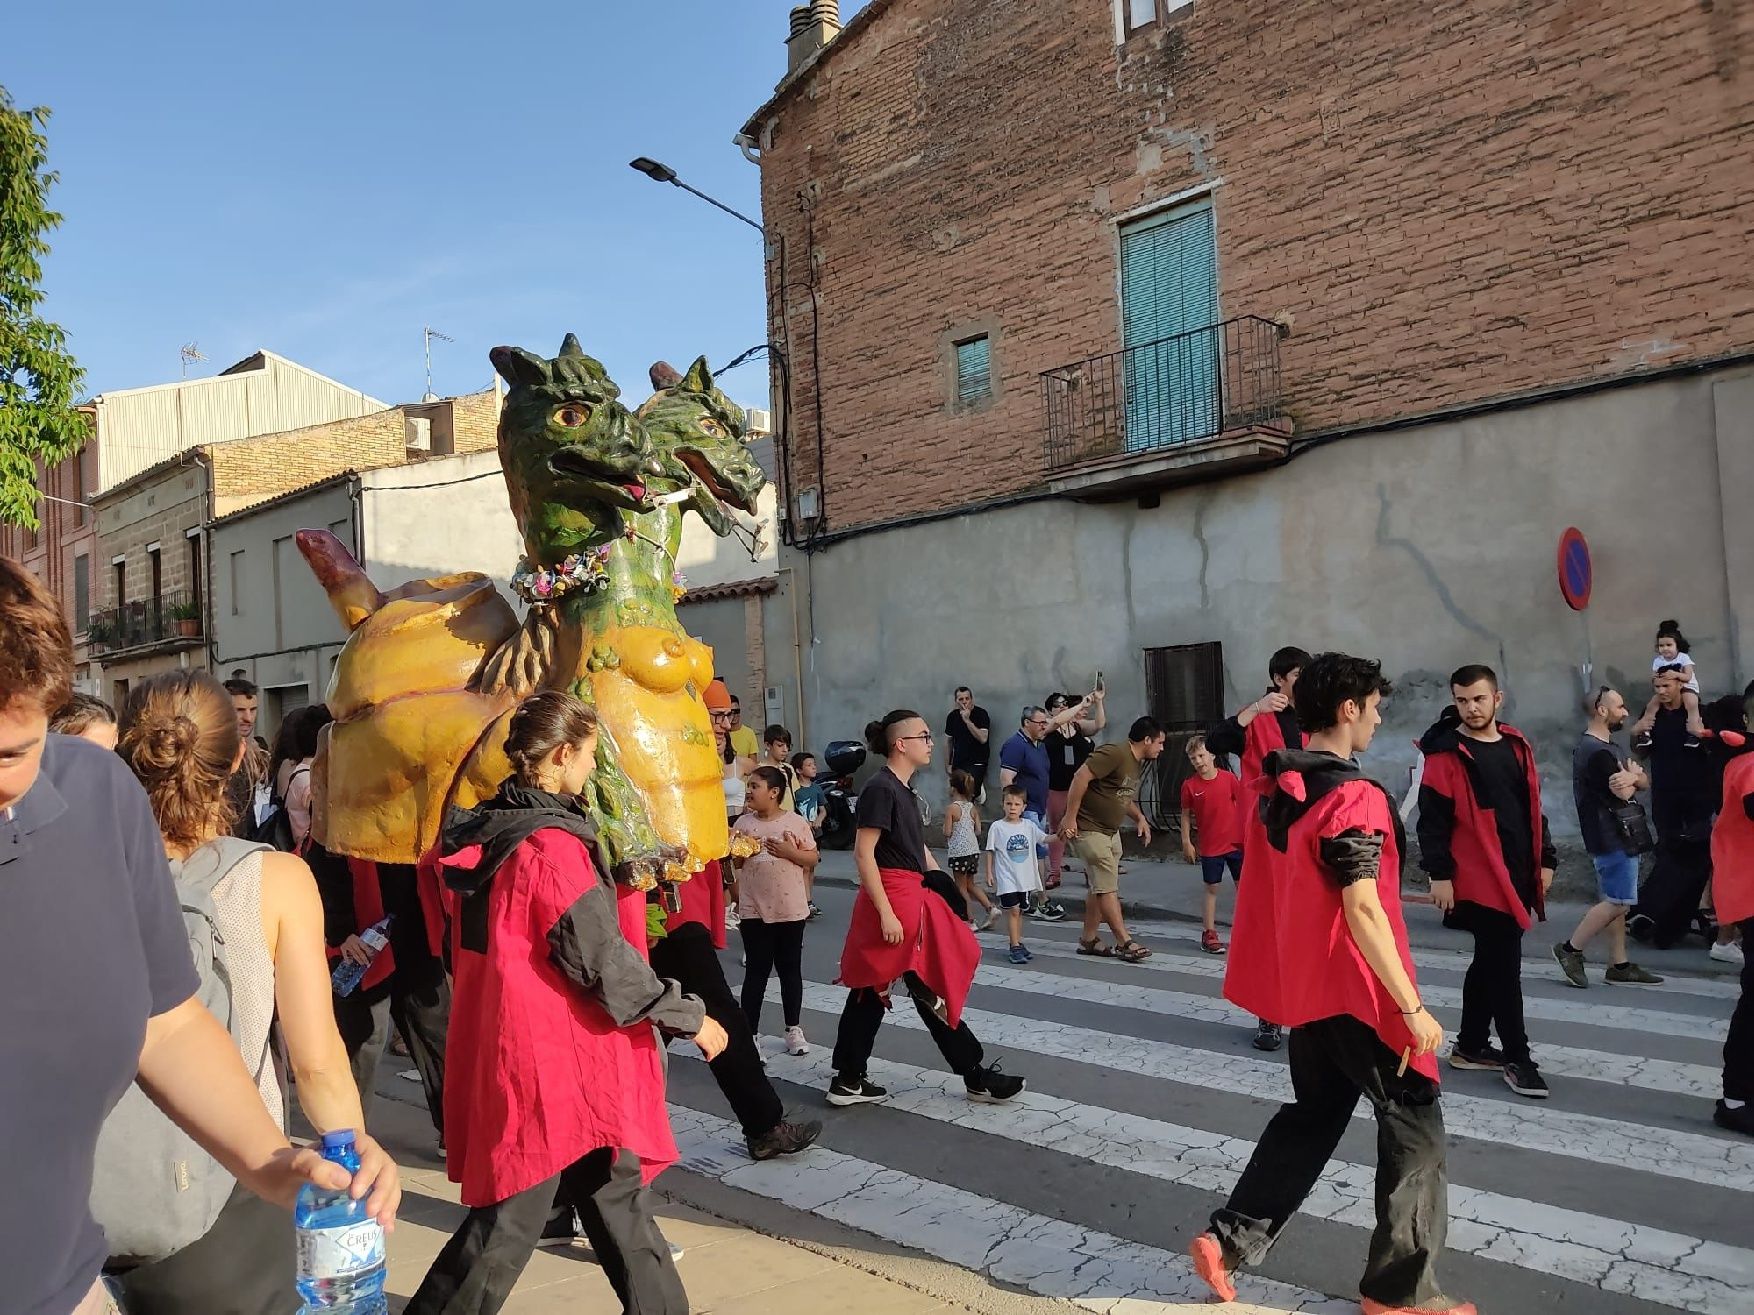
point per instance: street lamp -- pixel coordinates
(663, 173)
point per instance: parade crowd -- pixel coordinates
(174, 928)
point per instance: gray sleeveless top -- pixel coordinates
(237, 902)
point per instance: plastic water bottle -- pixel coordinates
(340, 1246)
(348, 974)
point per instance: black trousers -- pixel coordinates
(418, 1002)
(1492, 992)
(863, 1015)
(770, 947)
(479, 1266)
(1739, 1045)
(243, 1265)
(1333, 1062)
(687, 956)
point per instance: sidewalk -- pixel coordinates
(728, 1269)
(1156, 890)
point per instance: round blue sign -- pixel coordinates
(1577, 574)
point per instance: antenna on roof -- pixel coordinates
(189, 352)
(432, 333)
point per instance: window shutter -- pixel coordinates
(973, 370)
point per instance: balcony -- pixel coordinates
(1167, 412)
(170, 621)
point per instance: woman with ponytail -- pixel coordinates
(180, 737)
(554, 1085)
(909, 922)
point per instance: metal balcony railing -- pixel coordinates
(169, 617)
(1163, 394)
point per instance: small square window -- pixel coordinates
(1140, 12)
(974, 371)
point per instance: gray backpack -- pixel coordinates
(154, 1191)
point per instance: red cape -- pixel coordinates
(368, 907)
(936, 945)
(1292, 958)
(1481, 876)
(1260, 737)
(1732, 846)
(537, 1075)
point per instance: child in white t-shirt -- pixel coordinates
(1671, 651)
(1014, 865)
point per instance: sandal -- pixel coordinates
(1096, 949)
(1132, 952)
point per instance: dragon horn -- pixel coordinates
(569, 346)
(665, 375)
(351, 594)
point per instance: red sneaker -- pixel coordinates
(1208, 1258)
(1460, 1308)
(1210, 943)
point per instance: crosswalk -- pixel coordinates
(1616, 1197)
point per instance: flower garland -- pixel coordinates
(541, 585)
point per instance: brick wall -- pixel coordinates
(1452, 201)
(475, 421)
(64, 533)
(160, 507)
(254, 469)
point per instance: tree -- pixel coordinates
(39, 379)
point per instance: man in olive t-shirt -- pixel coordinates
(1100, 800)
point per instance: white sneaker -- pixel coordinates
(795, 1043)
(1729, 952)
(732, 920)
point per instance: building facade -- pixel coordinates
(1145, 337)
(62, 550)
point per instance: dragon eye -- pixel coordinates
(711, 428)
(572, 415)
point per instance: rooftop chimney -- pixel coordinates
(813, 26)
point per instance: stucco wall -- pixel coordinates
(1427, 548)
(439, 517)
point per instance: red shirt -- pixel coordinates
(1217, 809)
(1732, 845)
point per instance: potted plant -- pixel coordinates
(97, 631)
(186, 619)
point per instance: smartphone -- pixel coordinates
(1099, 685)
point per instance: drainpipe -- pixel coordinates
(797, 654)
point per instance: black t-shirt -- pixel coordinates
(1675, 769)
(1593, 761)
(91, 945)
(967, 752)
(1499, 784)
(1066, 754)
(889, 806)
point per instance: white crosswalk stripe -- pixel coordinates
(1700, 1080)
(1563, 1243)
(1612, 1010)
(1693, 1157)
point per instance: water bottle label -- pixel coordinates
(341, 1251)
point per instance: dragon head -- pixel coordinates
(572, 454)
(697, 434)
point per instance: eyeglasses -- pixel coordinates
(716, 715)
(926, 736)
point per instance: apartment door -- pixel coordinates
(1169, 325)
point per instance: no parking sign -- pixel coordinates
(1577, 575)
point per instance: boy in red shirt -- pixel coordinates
(1320, 944)
(1212, 811)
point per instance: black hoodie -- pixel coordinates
(586, 943)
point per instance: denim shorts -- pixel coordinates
(1212, 868)
(1617, 877)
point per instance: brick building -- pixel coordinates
(157, 588)
(1153, 334)
(62, 549)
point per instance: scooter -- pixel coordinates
(843, 758)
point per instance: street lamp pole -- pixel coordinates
(662, 173)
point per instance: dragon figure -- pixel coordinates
(431, 672)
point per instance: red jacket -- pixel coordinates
(1732, 844)
(351, 911)
(936, 945)
(1263, 735)
(538, 1071)
(1458, 837)
(1292, 957)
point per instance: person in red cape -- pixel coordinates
(1485, 844)
(555, 1085)
(1321, 945)
(910, 923)
(1732, 867)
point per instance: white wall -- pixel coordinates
(437, 518)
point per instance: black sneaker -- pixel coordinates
(1740, 1119)
(1525, 1079)
(855, 1091)
(1491, 1057)
(562, 1230)
(992, 1086)
(784, 1138)
(1051, 910)
(1268, 1036)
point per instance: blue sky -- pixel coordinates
(323, 179)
